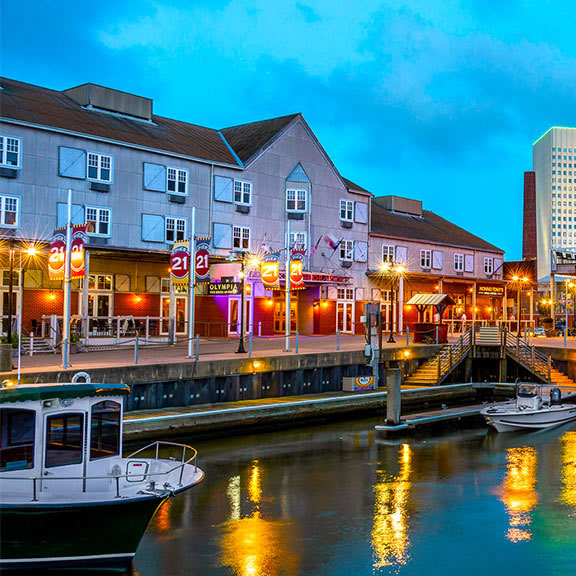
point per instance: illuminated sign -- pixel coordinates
(270, 270)
(180, 262)
(489, 290)
(224, 288)
(57, 253)
(202, 259)
(297, 269)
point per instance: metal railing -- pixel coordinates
(527, 355)
(452, 354)
(120, 491)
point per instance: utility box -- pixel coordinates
(358, 383)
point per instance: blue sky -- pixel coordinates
(438, 100)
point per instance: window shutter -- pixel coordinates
(122, 283)
(401, 254)
(153, 228)
(153, 284)
(332, 292)
(498, 266)
(154, 177)
(361, 251)
(437, 260)
(222, 236)
(376, 294)
(359, 294)
(468, 263)
(72, 163)
(32, 278)
(259, 290)
(361, 212)
(223, 188)
(62, 214)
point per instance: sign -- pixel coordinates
(270, 270)
(180, 262)
(224, 288)
(489, 290)
(202, 261)
(297, 269)
(57, 253)
(358, 384)
(321, 278)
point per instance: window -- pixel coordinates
(459, 262)
(102, 282)
(105, 430)
(165, 285)
(347, 250)
(242, 192)
(9, 151)
(298, 240)
(9, 211)
(346, 210)
(175, 229)
(64, 439)
(388, 254)
(99, 167)
(98, 221)
(488, 266)
(426, 258)
(17, 428)
(177, 181)
(345, 293)
(241, 238)
(296, 200)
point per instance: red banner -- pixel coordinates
(270, 271)
(297, 269)
(180, 262)
(57, 253)
(202, 261)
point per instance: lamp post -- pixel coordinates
(10, 292)
(519, 283)
(394, 271)
(252, 261)
(568, 285)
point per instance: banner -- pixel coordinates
(57, 253)
(297, 269)
(202, 260)
(180, 262)
(270, 271)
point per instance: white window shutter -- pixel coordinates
(359, 294)
(401, 254)
(498, 266)
(72, 163)
(361, 212)
(332, 292)
(152, 284)
(468, 263)
(222, 236)
(62, 214)
(323, 292)
(154, 177)
(376, 294)
(223, 189)
(437, 260)
(153, 229)
(32, 278)
(361, 251)
(122, 283)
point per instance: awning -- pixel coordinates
(431, 300)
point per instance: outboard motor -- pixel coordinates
(555, 396)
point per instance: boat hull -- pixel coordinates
(514, 420)
(102, 534)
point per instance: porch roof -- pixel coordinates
(431, 300)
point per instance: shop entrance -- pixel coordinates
(345, 316)
(234, 319)
(181, 315)
(280, 316)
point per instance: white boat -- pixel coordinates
(529, 411)
(67, 496)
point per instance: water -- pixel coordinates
(335, 500)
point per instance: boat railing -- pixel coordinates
(187, 456)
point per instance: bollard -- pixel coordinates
(436, 334)
(249, 344)
(296, 341)
(31, 343)
(136, 350)
(338, 340)
(197, 347)
(393, 396)
(259, 329)
(407, 335)
(118, 331)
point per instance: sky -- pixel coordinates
(437, 100)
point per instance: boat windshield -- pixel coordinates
(17, 428)
(105, 430)
(527, 391)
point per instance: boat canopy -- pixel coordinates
(27, 392)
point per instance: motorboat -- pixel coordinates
(529, 411)
(68, 498)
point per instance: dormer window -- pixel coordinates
(296, 200)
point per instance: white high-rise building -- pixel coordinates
(554, 163)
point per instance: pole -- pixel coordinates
(67, 287)
(392, 312)
(191, 283)
(241, 349)
(287, 302)
(10, 293)
(20, 285)
(565, 312)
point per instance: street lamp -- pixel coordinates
(568, 285)
(253, 262)
(519, 283)
(394, 271)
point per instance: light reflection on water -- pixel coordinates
(336, 501)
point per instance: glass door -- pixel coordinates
(280, 316)
(345, 317)
(181, 315)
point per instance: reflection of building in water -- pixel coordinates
(518, 492)
(569, 469)
(390, 531)
(251, 545)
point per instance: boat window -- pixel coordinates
(17, 439)
(64, 439)
(527, 392)
(105, 430)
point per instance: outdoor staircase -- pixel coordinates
(488, 336)
(41, 346)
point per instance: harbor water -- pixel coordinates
(336, 500)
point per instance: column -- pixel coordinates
(401, 305)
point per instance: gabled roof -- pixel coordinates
(247, 139)
(428, 228)
(352, 186)
(41, 106)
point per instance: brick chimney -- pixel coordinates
(529, 241)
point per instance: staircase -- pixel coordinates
(435, 370)
(41, 346)
(488, 336)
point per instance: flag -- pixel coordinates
(313, 251)
(332, 241)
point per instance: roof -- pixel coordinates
(426, 228)
(247, 139)
(430, 300)
(27, 392)
(42, 106)
(352, 186)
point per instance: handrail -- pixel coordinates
(117, 477)
(529, 355)
(453, 354)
